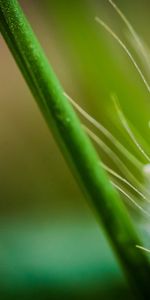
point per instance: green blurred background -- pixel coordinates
(51, 243)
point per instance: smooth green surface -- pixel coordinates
(56, 257)
(74, 143)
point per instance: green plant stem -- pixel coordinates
(74, 143)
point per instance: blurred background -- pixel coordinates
(52, 245)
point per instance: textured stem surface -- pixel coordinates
(74, 143)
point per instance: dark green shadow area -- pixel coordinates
(64, 260)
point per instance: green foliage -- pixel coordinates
(74, 143)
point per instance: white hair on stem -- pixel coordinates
(115, 174)
(108, 134)
(124, 122)
(134, 35)
(128, 24)
(124, 47)
(113, 156)
(135, 40)
(140, 137)
(127, 128)
(116, 159)
(143, 248)
(143, 53)
(145, 58)
(121, 190)
(118, 145)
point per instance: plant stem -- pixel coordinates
(74, 144)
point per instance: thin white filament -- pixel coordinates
(114, 35)
(143, 248)
(127, 23)
(140, 138)
(115, 142)
(142, 53)
(130, 198)
(121, 166)
(135, 36)
(127, 128)
(115, 174)
(108, 134)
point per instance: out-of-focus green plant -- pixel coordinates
(74, 143)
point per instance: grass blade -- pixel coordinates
(74, 143)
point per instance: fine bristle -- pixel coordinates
(137, 187)
(142, 248)
(125, 124)
(133, 37)
(130, 198)
(113, 156)
(115, 174)
(128, 155)
(128, 180)
(124, 47)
